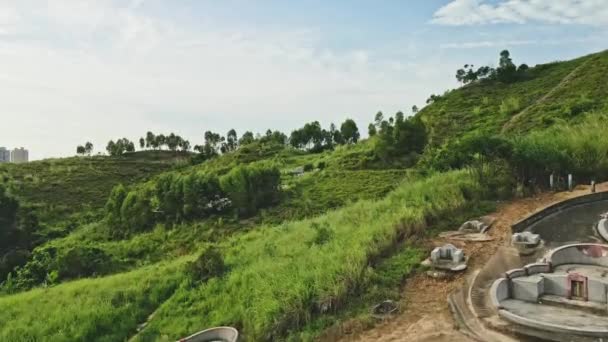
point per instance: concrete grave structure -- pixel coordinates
(602, 228)
(526, 242)
(220, 334)
(448, 258)
(480, 225)
(565, 293)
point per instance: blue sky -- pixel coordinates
(78, 70)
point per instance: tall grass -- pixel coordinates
(581, 149)
(99, 309)
(281, 276)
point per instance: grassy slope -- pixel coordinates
(279, 277)
(489, 105)
(100, 309)
(61, 187)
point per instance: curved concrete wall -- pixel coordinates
(557, 207)
(542, 325)
(580, 253)
(499, 291)
(539, 267)
(515, 273)
(602, 228)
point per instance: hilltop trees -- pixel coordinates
(349, 131)
(86, 149)
(173, 142)
(80, 150)
(119, 147)
(314, 138)
(398, 136)
(506, 72)
(246, 138)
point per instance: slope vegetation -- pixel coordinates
(550, 93)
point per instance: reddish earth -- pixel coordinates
(424, 314)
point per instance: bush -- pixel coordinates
(209, 264)
(321, 165)
(308, 167)
(252, 187)
(83, 262)
(323, 233)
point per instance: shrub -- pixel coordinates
(323, 233)
(321, 165)
(252, 187)
(209, 264)
(83, 262)
(308, 167)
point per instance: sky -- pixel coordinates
(73, 71)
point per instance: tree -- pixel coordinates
(349, 131)
(185, 145)
(110, 147)
(88, 148)
(523, 68)
(414, 109)
(335, 135)
(246, 138)
(378, 119)
(172, 141)
(311, 137)
(506, 71)
(119, 147)
(150, 139)
(80, 150)
(371, 130)
(142, 143)
(231, 141)
(212, 143)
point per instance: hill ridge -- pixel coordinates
(509, 124)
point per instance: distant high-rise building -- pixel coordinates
(5, 155)
(19, 155)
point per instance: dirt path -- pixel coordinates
(425, 315)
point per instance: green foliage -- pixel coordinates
(209, 264)
(546, 94)
(580, 149)
(119, 147)
(509, 106)
(268, 294)
(99, 309)
(349, 131)
(83, 261)
(323, 233)
(399, 136)
(252, 187)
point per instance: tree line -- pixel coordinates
(506, 71)
(174, 197)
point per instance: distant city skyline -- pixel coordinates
(15, 155)
(95, 70)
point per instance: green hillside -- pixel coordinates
(283, 241)
(57, 188)
(549, 94)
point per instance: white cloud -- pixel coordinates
(487, 44)
(77, 70)
(474, 12)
